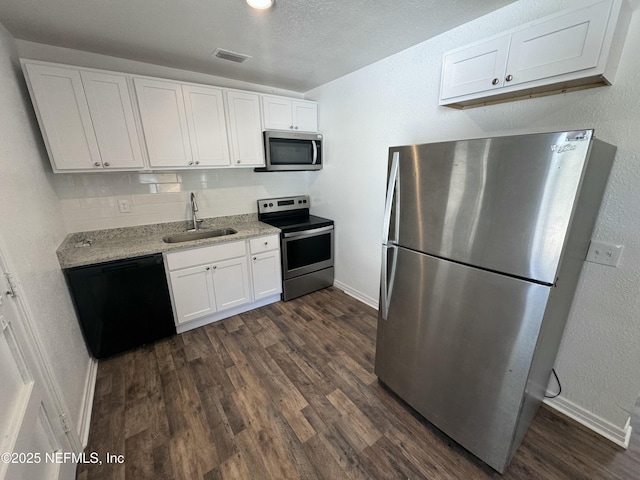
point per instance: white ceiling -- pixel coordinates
(296, 45)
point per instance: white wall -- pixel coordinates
(394, 102)
(32, 229)
(90, 201)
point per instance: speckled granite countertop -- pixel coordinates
(130, 242)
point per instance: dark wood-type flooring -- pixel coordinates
(288, 391)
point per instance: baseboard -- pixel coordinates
(366, 299)
(87, 402)
(619, 436)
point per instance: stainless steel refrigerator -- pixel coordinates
(484, 241)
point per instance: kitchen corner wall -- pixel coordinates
(32, 229)
(395, 102)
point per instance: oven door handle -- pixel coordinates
(308, 232)
(315, 152)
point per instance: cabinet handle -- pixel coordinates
(509, 78)
(96, 164)
(197, 162)
(291, 127)
(190, 162)
(208, 268)
(214, 267)
(106, 164)
(237, 161)
(266, 243)
(494, 81)
(255, 258)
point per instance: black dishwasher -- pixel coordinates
(122, 304)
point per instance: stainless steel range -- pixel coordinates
(306, 242)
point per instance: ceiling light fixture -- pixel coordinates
(260, 4)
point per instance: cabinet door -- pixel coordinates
(266, 274)
(207, 126)
(475, 69)
(193, 293)
(305, 115)
(113, 122)
(277, 113)
(231, 283)
(245, 129)
(164, 121)
(560, 45)
(64, 117)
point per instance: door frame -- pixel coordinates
(59, 417)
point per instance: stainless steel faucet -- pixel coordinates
(194, 208)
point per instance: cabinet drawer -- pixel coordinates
(200, 256)
(264, 244)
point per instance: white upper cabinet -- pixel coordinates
(89, 121)
(281, 113)
(561, 45)
(245, 128)
(86, 118)
(113, 120)
(475, 69)
(164, 120)
(207, 125)
(184, 125)
(567, 51)
(305, 115)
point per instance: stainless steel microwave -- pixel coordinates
(289, 151)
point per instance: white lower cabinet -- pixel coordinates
(266, 272)
(193, 293)
(231, 283)
(214, 282)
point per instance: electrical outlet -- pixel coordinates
(604, 253)
(124, 206)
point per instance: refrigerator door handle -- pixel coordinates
(393, 193)
(388, 278)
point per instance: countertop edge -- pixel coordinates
(107, 245)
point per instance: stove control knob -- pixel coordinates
(299, 201)
(271, 204)
(304, 201)
(265, 205)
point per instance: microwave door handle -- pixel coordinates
(315, 152)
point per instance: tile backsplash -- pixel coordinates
(90, 201)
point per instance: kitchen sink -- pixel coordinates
(198, 235)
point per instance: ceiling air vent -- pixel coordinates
(232, 56)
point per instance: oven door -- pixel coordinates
(307, 251)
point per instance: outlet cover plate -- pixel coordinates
(604, 253)
(124, 206)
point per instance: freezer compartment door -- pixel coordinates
(457, 344)
(503, 203)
